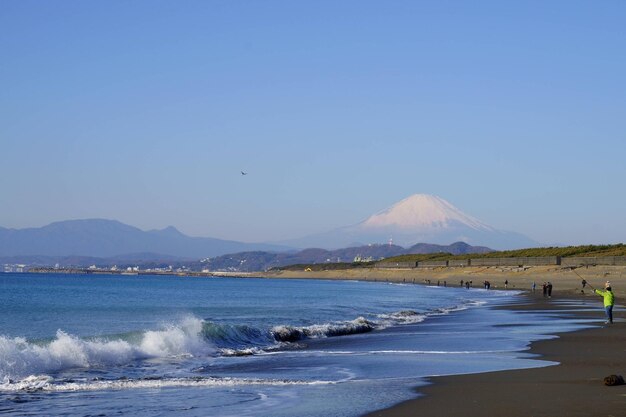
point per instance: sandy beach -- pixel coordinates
(574, 387)
(565, 281)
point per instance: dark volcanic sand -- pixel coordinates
(573, 388)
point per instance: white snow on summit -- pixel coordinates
(423, 211)
(420, 218)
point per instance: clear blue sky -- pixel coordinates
(146, 111)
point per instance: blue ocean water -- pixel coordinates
(163, 345)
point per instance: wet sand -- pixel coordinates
(573, 388)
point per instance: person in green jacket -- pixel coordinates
(609, 302)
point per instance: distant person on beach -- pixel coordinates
(506, 283)
(544, 287)
(609, 302)
(534, 286)
(584, 283)
(549, 287)
(461, 283)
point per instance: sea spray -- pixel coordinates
(20, 358)
(184, 338)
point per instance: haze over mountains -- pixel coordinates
(417, 219)
(108, 238)
(260, 261)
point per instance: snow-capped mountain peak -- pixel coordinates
(420, 218)
(423, 211)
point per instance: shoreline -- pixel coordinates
(566, 281)
(574, 387)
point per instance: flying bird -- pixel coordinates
(244, 173)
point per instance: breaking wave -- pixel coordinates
(191, 337)
(20, 358)
(294, 334)
(404, 317)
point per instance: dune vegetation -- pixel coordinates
(584, 250)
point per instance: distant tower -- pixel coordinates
(391, 241)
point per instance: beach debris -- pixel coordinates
(613, 380)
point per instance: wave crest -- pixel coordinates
(293, 334)
(20, 358)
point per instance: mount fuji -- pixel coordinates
(420, 218)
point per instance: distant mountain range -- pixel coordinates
(261, 261)
(110, 238)
(244, 261)
(418, 218)
(146, 260)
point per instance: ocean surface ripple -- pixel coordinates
(70, 345)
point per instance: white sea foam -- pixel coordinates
(241, 352)
(182, 339)
(20, 358)
(403, 317)
(47, 383)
